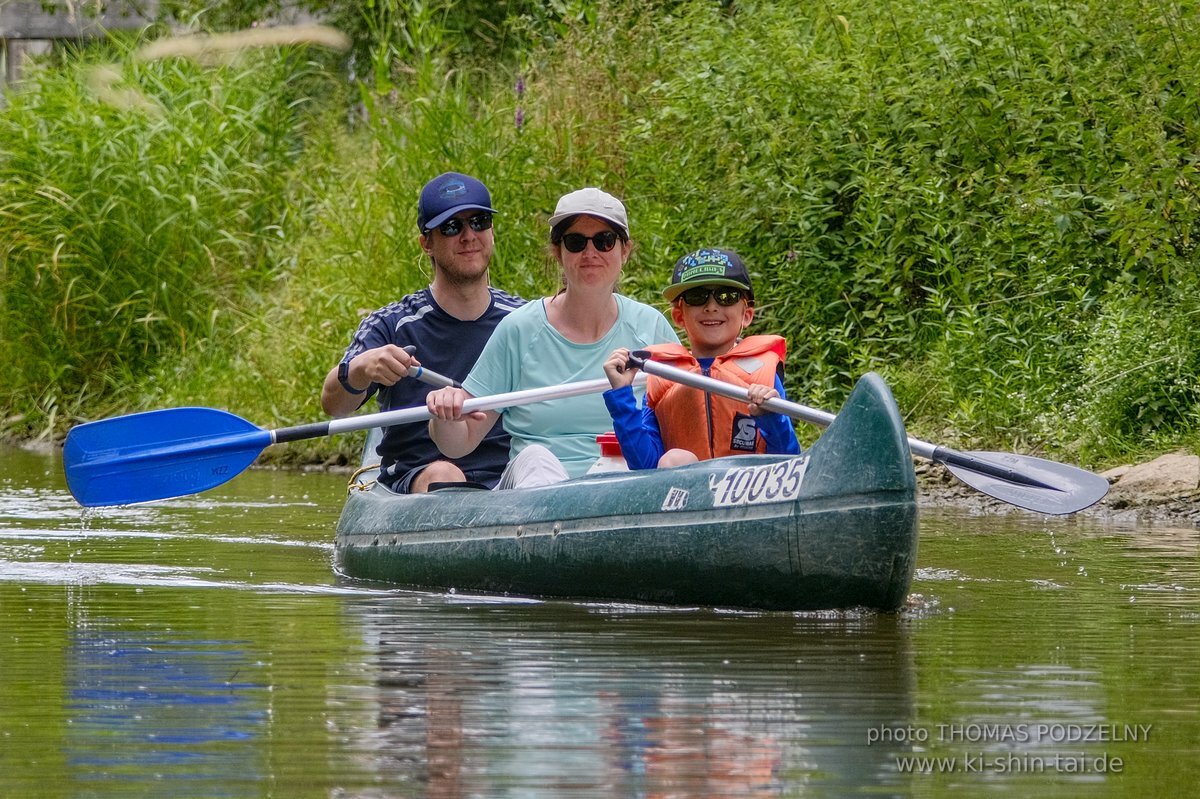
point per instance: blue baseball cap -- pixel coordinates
(446, 195)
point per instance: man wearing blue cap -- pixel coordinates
(444, 326)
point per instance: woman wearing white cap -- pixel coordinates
(560, 339)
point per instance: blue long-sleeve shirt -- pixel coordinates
(641, 440)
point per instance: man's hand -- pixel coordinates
(386, 365)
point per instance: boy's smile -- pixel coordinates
(712, 329)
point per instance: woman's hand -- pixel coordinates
(456, 433)
(446, 404)
(618, 370)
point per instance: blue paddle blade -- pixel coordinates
(158, 454)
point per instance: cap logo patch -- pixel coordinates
(452, 189)
(701, 270)
(705, 263)
(709, 265)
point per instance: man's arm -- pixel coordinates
(336, 400)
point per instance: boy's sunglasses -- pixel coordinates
(453, 226)
(603, 241)
(699, 295)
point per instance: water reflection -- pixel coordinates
(554, 700)
(159, 709)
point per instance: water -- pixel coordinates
(204, 647)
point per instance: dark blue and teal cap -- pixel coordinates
(446, 195)
(709, 267)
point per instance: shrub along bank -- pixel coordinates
(992, 204)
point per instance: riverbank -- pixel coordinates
(233, 222)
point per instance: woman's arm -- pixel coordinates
(456, 434)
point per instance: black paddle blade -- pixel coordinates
(1053, 488)
(158, 454)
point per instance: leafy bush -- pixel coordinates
(1140, 385)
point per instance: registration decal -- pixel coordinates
(676, 499)
(752, 485)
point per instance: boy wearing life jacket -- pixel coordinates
(712, 300)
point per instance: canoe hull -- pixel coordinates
(833, 528)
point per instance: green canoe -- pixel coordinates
(835, 527)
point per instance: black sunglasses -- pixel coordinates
(603, 241)
(699, 295)
(452, 227)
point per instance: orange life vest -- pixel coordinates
(708, 425)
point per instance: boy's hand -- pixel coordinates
(759, 395)
(618, 370)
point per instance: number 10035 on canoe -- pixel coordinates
(753, 485)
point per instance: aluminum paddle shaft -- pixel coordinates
(1032, 483)
(177, 451)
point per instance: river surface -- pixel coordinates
(205, 647)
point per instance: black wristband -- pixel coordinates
(344, 378)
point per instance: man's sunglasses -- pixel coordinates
(603, 241)
(699, 295)
(453, 226)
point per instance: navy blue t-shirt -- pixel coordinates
(445, 345)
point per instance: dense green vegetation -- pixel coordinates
(994, 204)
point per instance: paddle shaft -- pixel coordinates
(425, 376)
(418, 414)
(168, 453)
(316, 430)
(937, 454)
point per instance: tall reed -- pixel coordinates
(138, 203)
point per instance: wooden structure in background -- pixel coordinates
(27, 28)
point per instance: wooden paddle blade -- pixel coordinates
(158, 454)
(1053, 488)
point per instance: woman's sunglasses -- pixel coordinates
(699, 295)
(452, 227)
(603, 241)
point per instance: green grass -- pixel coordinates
(994, 205)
